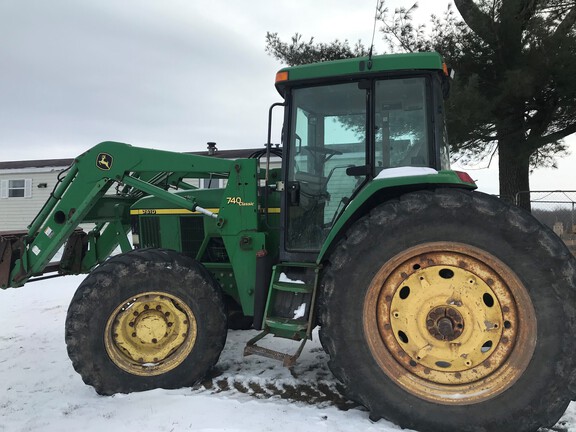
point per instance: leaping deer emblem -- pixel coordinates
(104, 161)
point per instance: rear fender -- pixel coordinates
(380, 190)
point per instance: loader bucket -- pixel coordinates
(11, 249)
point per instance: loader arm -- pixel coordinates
(81, 197)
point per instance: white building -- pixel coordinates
(24, 188)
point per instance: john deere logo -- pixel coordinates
(104, 161)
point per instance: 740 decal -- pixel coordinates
(238, 201)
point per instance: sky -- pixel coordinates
(170, 74)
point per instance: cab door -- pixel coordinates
(327, 139)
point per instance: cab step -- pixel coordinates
(289, 309)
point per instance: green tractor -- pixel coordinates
(441, 308)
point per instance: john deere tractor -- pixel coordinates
(441, 308)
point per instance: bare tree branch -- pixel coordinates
(567, 23)
(528, 10)
(478, 21)
(557, 136)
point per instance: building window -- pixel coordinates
(17, 188)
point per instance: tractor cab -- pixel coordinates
(361, 120)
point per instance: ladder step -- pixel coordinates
(286, 359)
(292, 287)
(297, 265)
(266, 352)
(287, 323)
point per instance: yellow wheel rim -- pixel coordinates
(150, 334)
(449, 323)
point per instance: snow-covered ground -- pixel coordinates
(40, 391)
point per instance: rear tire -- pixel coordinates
(146, 319)
(452, 311)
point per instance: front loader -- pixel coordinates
(442, 308)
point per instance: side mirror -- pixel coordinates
(356, 171)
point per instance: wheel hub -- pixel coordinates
(151, 327)
(150, 334)
(445, 323)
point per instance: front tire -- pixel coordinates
(452, 311)
(143, 320)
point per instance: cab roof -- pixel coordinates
(359, 65)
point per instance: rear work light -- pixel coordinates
(465, 177)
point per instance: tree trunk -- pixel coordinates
(514, 170)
